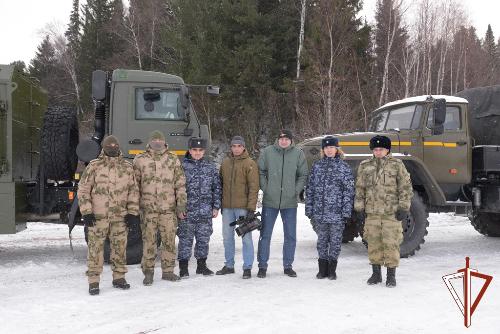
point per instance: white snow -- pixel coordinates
(44, 290)
(423, 98)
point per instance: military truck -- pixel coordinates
(451, 148)
(40, 146)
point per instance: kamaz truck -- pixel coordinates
(40, 146)
(451, 147)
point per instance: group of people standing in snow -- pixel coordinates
(160, 193)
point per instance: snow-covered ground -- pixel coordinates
(43, 289)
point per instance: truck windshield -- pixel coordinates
(158, 104)
(400, 117)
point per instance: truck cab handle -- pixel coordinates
(461, 143)
(135, 141)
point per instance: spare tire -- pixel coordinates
(59, 139)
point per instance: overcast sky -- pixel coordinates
(22, 22)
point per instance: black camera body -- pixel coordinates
(247, 223)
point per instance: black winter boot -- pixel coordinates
(94, 289)
(202, 268)
(148, 278)
(262, 273)
(323, 269)
(224, 271)
(183, 268)
(332, 268)
(391, 278)
(376, 276)
(121, 283)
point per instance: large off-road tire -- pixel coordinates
(351, 231)
(486, 223)
(414, 227)
(59, 139)
(134, 246)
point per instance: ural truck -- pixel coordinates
(450, 145)
(40, 146)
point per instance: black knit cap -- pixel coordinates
(286, 134)
(380, 141)
(329, 141)
(197, 142)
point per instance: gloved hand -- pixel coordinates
(250, 214)
(89, 220)
(359, 216)
(401, 214)
(132, 220)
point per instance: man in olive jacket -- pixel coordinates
(283, 174)
(240, 186)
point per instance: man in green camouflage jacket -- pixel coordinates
(109, 201)
(383, 198)
(162, 187)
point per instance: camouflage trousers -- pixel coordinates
(190, 229)
(329, 240)
(166, 224)
(384, 234)
(117, 232)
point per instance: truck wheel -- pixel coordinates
(350, 231)
(134, 247)
(414, 227)
(59, 139)
(486, 223)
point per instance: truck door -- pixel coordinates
(447, 154)
(139, 109)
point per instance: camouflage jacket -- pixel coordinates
(383, 186)
(161, 181)
(203, 188)
(108, 188)
(330, 191)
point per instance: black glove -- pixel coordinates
(132, 221)
(360, 216)
(89, 220)
(250, 214)
(401, 214)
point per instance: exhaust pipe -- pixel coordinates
(476, 192)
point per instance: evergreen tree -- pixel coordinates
(73, 32)
(44, 61)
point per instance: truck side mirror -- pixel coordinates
(99, 82)
(213, 90)
(439, 116)
(184, 97)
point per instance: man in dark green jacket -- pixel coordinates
(283, 174)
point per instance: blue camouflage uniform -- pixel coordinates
(329, 202)
(203, 189)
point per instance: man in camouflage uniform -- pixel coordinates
(203, 203)
(162, 199)
(383, 198)
(109, 200)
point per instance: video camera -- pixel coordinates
(247, 223)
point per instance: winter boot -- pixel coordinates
(168, 276)
(183, 269)
(262, 273)
(376, 276)
(332, 268)
(202, 268)
(290, 272)
(121, 283)
(247, 273)
(148, 278)
(323, 269)
(224, 271)
(93, 289)
(391, 278)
